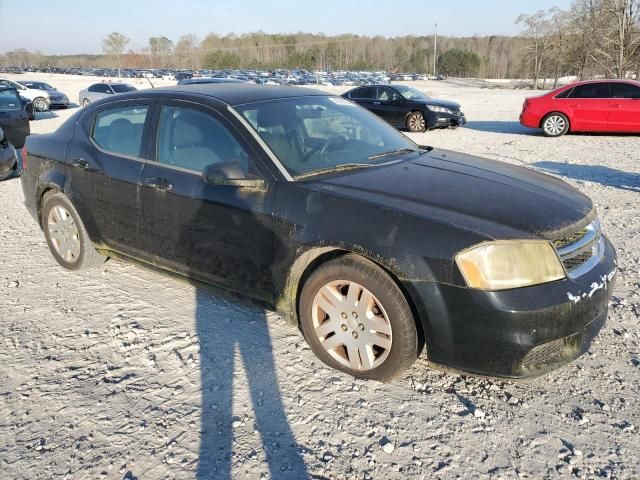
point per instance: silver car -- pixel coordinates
(98, 91)
(56, 98)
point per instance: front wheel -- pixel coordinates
(66, 235)
(357, 320)
(40, 104)
(555, 125)
(416, 122)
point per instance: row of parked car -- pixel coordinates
(276, 76)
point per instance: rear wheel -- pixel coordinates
(66, 235)
(357, 320)
(555, 125)
(416, 122)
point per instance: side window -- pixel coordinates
(386, 94)
(192, 139)
(591, 90)
(625, 90)
(364, 93)
(565, 94)
(119, 130)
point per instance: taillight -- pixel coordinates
(24, 157)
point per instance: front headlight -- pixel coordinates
(437, 109)
(505, 264)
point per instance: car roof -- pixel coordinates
(239, 93)
(604, 80)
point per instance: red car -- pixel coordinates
(592, 106)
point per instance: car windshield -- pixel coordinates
(410, 93)
(39, 86)
(321, 134)
(9, 100)
(123, 88)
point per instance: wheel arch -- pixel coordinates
(49, 183)
(559, 112)
(287, 302)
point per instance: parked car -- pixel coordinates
(8, 157)
(14, 118)
(201, 80)
(98, 91)
(590, 106)
(39, 98)
(407, 107)
(373, 244)
(56, 98)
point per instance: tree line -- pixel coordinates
(591, 38)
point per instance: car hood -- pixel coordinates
(492, 198)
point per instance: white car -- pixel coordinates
(98, 91)
(39, 98)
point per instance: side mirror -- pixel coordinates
(1, 135)
(230, 174)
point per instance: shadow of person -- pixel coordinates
(225, 237)
(224, 332)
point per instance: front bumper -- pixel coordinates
(516, 333)
(445, 120)
(59, 102)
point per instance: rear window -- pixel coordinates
(123, 88)
(119, 130)
(9, 100)
(565, 94)
(591, 90)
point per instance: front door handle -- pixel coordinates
(161, 184)
(616, 105)
(574, 105)
(80, 163)
(376, 103)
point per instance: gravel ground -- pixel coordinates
(111, 373)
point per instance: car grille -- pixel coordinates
(580, 251)
(551, 352)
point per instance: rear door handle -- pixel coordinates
(616, 105)
(161, 184)
(80, 163)
(574, 105)
(376, 103)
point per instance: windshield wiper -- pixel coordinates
(393, 153)
(338, 168)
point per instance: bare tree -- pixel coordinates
(114, 44)
(622, 41)
(540, 41)
(161, 49)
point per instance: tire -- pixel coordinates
(40, 104)
(72, 249)
(416, 122)
(555, 125)
(392, 329)
(86, 102)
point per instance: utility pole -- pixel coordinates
(435, 48)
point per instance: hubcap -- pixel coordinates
(40, 105)
(64, 234)
(416, 122)
(352, 325)
(554, 125)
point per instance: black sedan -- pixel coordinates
(408, 107)
(376, 246)
(14, 116)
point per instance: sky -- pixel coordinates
(78, 26)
